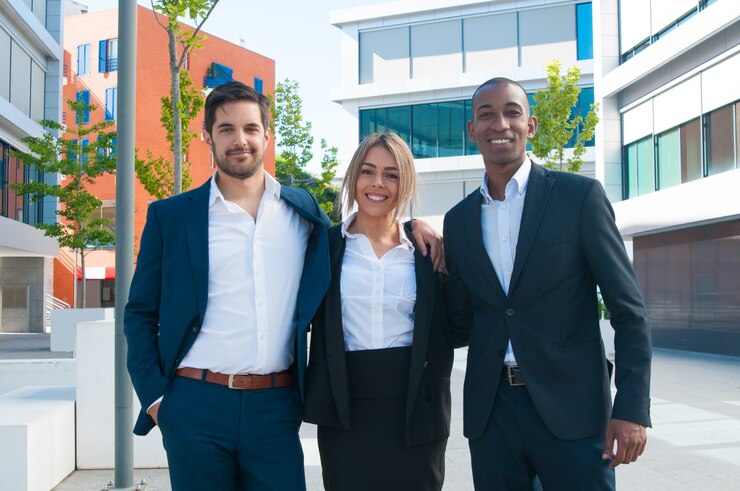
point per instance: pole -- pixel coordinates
(126, 134)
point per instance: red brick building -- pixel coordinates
(90, 71)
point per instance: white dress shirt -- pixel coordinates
(500, 222)
(254, 270)
(378, 295)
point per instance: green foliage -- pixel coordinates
(292, 133)
(157, 173)
(187, 39)
(558, 120)
(295, 140)
(82, 166)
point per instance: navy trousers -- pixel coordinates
(517, 445)
(227, 439)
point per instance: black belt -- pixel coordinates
(513, 375)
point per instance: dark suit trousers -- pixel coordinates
(517, 445)
(226, 439)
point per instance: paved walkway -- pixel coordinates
(694, 444)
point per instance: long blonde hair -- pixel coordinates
(406, 171)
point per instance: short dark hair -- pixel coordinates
(498, 81)
(231, 92)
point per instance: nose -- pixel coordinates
(378, 179)
(499, 123)
(240, 137)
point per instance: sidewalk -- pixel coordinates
(694, 443)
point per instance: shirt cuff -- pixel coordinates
(154, 404)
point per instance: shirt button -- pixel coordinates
(503, 238)
(508, 273)
(503, 206)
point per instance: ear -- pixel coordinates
(470, 130)
(531, 126)
(207, 138)
(268, 135)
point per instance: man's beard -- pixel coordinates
(236, 169)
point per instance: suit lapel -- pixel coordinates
(423, 313)
(538, 192)
(195, 217)
(477, 249)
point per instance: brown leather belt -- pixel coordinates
(512, 375)
(244, 382)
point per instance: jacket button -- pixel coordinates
(426, 364)
(510, 312)
(195, 329)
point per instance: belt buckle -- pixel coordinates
(512, 377)
(231, 383)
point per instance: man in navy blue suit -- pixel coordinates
(228, 277)
(525, 253)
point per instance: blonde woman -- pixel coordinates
(378, 380)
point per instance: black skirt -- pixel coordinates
(372, 455)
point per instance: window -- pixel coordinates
(720, 139)
(640, 168)
(258, 85)
(451, 128)
(107, 211)
(424, 134)
(111, 95)
(83, 117)
(471, 148)
(584, 31)
(83, 59)
(108, 55)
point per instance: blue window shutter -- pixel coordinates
(113, 55)
(103, 56)
(83, 96)
(110, 104)
(258, 85)
(113, 146)
(80, 54)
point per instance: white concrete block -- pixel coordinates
(37, 437)
(96, 403)
(16, 374)
(63, 323)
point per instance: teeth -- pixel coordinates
(499, 140)
(375, 197)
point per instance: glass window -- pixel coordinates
(424, 135)
(471, 148)
(451, 118)
(367, 122)
(83, 117)
(669, 159)
(640, 168)
(584, 31)
(110, 103)
(691, 168)
(720, 139)
(83, 59)
(399, 121)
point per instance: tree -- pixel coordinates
(82, 164)
(292, 133)
(156, 173)
(294, 139)
(558, 120)
(187, 40)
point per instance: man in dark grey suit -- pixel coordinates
(525, 254)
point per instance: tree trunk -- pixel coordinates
(176, 119)
(84, 278)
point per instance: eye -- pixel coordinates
(392, 177)
(366, 172)
(513, 114)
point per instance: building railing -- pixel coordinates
(52, 303)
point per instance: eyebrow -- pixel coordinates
(508, 104)
(375, 166)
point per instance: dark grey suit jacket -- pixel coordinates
(428, 399)
(568, 244)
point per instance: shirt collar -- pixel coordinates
(405, 241)
(519, 181)
(272, 188)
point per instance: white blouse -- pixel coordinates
(378, 295)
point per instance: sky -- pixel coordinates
(298, 36)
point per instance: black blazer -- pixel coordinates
(428, 400)
(568, 244)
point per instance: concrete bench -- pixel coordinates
(37, 437)
(64, 325)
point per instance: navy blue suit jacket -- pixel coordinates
(169, 290)
(568, 244)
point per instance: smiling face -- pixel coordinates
(501, 124)
(377, 183)
(238, 139)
